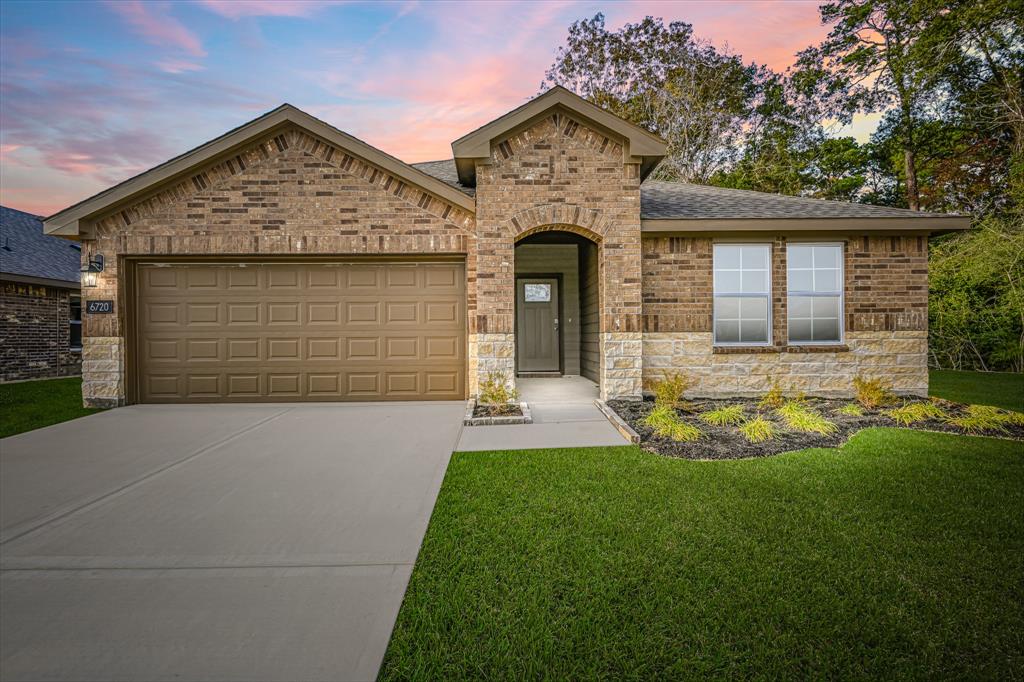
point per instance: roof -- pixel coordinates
(445, 171)
(27, 253)
(685, 206)
(640, 144)
(68, 221)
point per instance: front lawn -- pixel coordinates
(1001, 389)
(34, 404)
(900, 554)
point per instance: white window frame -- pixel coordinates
(767, 297)
(811, 294)
(73, 323)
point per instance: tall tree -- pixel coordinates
(663, 78)
(877, 56)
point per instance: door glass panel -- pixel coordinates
(537, 293)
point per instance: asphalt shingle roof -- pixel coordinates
(26, 251)
(444, 171)
(684, 201)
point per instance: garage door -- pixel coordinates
(300, 332)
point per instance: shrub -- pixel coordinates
(495, 394)
(669, 390)
(802, 418)
(758, 430)
(773, 399)
(723, 416)
(851, 410)
(912, 413)
(980, 418)
(664, 421)
(873, 393)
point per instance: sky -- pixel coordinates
(92, 93)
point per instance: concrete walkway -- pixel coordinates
(215, 542)
(564, 416)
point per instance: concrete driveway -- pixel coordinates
(215, 542)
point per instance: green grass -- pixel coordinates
(35, 404)
(900, 555)
(1000, 389)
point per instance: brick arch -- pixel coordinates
(586, 222)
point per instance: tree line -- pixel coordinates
(946, 78)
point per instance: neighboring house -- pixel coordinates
(40, 307)
(287, 260)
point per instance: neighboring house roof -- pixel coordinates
(26, 254)
(67, 222)
(640, 144)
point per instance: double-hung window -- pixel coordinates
(742, 294)
(815, 287)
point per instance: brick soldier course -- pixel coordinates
(289, 186)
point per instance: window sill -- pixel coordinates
(742, 350)
(819, 348)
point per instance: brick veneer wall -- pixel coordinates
(287, 194)
(560, 174)
(35, 333)
(885, 320)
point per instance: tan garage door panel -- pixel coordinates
(291, 332)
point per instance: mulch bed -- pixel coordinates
(511, 410)
(726, 442)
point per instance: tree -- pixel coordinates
(667, 81)
(877, 56)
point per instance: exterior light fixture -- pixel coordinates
(90, 272)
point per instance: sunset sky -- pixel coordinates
(94, 92)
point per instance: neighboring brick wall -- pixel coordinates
(560, 174)
(35, 333)
(288, 194)
(886, 320)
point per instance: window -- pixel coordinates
(537, 293)
(742, 294)
(75, 321)
(815, 293)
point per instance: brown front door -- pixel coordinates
(537, 333)
(300, 332)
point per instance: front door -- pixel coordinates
(537, 328)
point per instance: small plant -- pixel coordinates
(802, 418)
(851, 410)
(773, 399)
(1015, 418)
(758, 430)
(669, 390)
(980, 418)
(912, 413)
(872, 393)
(496, 396)
(723, 416)
(664, 421)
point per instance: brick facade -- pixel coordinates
(289, 193)
(35, 333)
(559, 174)
(885, 320)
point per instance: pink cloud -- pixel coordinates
(236, 9)
(178, 66)
(154, 23)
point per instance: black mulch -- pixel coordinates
(509, 410)
(727, 442)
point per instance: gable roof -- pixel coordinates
(26, 254)
(69, 222)
(640, 144)
(679, 206)
(445, 171)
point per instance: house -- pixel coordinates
(287, 260)
(40, 306)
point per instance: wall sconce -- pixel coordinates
(90, 272)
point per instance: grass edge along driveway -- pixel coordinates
(29, 405)
(899, 554)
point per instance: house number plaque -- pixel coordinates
(99, 307)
